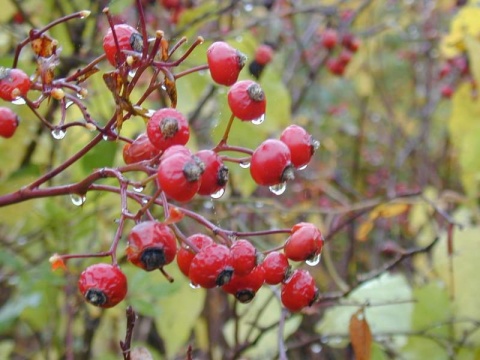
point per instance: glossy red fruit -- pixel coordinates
(244, 257)
(168, 127)
(305, 242)
(300, 143)
(151, 245)
(8, 122)
(140, 149)
(276, 267)
(215, 176)
(329, 38)
(246, 100)
(103, 285)
(447, 91)
(186, 254)
(335, 66)
(298, 291)
(128, 39)
(225, 63)
(350, 42)
(175, 149)
(263, 54)
(211, 266)
(14, 83)
(271, 163)
(244, 287)
(179, 176)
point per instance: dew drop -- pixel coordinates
(259, 120)
(163, 87)
(218, 194)
(193, 286)
(145, 200)
(68, 104)
(302, 167)
(278, 189)
(245, 164)
(131, 73)
(316, 348)
(150, 112)
(138, 188)
(78, 200)
(313, 261)
(19, 101)
(80, 96)
(58, 134)
(316, 144)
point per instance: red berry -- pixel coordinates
(128, 39)
(175, 149)
(329, 38)
(244, 257)
(335, 66)
(305, 242)
(298, 291)
(300, 143)
(171, 4)
(225, 63)
(263, 54)
(350, 42)
(447, 91)
(276, 267)
(185, 255)
(271, 163)
(140, 149)
(244, 287)
(103, 285)
(168, 127)
(8, 122)
(246, 100)
(345, 57)
(215, 176)
(179, 176)
(445, 70)
(13, 83)
(211, 266)
(151, 245)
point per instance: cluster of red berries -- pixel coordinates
(330, 39)
(452, 72)
(239, 269)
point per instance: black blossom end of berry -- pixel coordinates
(288, 173)
(96, 297)
(153, 258)
(168, 127)
(255, 92)
(224, 277)
(194, 169)
(241, 59)
(316, 296)
(245, 296)
(222, 176)
(136, 42)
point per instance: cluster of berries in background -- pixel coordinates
(341, 48)
(452, 72)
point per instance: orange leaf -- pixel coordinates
(364, 229)
(360, 336)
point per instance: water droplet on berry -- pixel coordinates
(138, 188)
(19, 101)
(68, 104)
(278, 189)
(245, 164)
(218, 194)
(132, 73)
(193, 286)
(58, 134)
(302, 167)
(78, 200)
(259, 120)
(316, 144)
(163, 87)
(313, 261)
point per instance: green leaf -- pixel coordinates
(14, 308)
(101, 156)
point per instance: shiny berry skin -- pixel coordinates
(151, 245)
(185, 255)
(168, 127)
(271, 163)
(304, 243)
(263, 54)
(140, 149)
(244, 257)
(350, 42)
(300, 143)
(175, 149)
(276, 267)
(179, 176)
(13, 83)
(225, 63)
(244, 287)
(329, 38)
(103, 285)
(128, 38)
(8, 122)
(298, 291)
(211, 266)
(215, 176)
(246, 100)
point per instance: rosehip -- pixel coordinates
(329, 38)
(13, 83)
(336, 67)
(298, 291)
(140, 149)
(128, 39)
(151, 245)
(225, 63)
(246, 100)
(271, 163)
(244, 287)
(215, 176)
(305, 242)
(300, 143)
(211, 266)
(276, 267)
(168, 127)
(103, 285)
(263, 54)
(244, 257)
(8, 122)
(185, 255)
(350, 42)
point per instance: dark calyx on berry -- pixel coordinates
(224, 277)
(153, 258)
(255, 92)
(169, 127)
(194, 169)
(288, 173)
(241, 59)
(245, 296)
(96, 297)
(222, 176)
(136, 42)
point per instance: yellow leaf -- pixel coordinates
(388, 210)
(364, 230)
(465, 23)
(473, 49)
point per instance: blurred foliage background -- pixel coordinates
(394, 185)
